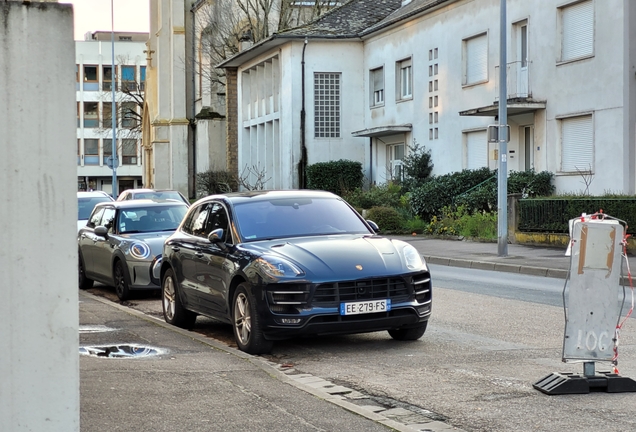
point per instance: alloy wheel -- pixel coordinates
(242, 318)
(168, 298)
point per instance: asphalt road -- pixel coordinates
(491, 336)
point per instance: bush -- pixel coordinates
(387, 218)
(460, 222)
(214, 182)
(417, 166)
(335, 176)
(387, 195)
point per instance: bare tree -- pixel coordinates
(222, 25)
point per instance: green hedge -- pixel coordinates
(553, 214)
(335, 176)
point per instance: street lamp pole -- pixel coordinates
(502, 177)
(113, 76)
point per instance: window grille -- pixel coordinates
(327, 105)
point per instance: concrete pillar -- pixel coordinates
(39, 357)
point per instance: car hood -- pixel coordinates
(342, 256)
(153, 239)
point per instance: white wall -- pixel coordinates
(39, 364)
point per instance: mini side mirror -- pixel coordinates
(101, 231)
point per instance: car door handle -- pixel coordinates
(175, 248)
(198, 253)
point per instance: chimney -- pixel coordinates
(245, 42)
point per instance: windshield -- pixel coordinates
(149, 219)
(85, 206)
(295, 217)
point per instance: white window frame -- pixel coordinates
(376, 81)
(404, 79)
(475, 59)
(576, 22)
(394, 162)
(577, 143)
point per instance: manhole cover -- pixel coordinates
(121, 351)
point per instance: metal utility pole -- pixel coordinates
(502, 174)
(113, 76)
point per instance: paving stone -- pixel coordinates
(337, 390)
(373, 408)
(397, 412)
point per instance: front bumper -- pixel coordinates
(145, 274)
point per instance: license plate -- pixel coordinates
(362, 307)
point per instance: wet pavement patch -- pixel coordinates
(94, 329)
(123, 351)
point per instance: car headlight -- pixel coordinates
(140, 250)
(278, 267)
(412, 258)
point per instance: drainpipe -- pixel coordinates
(370, 161)
(302, 168)
(193, 125)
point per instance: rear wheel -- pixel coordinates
(173, 311)
(84, 282)
(409, 334)
(121, 282)
(247, 326)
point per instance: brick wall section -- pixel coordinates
(231, 100)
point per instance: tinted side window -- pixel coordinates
(96, 217)
(195, 225)
(218, 219)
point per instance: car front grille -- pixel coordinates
(332, 294)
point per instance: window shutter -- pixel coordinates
(577, 144)
(476, 150)
(378, 79)
(578, 30)
(476, 59)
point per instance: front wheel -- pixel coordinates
(173, 311)
(121, 282)
(409, 334)
(84, 281)
(247, 326)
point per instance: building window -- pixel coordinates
(142, 78)
(91, 151)
(476, 149)
(90, 78)
(107, 78)
(107, 120)
(376, 78)
(577, 30)
(107, 150)
(128, 82)
(327, 105)
(577, 144)
(395, 157)
(475, 52)
(404, 76)
(129, 115)
(129, 152)
(91, 114)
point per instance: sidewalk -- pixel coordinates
(530, 260)
(168, 379)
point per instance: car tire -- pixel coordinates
(84, 281)
(122, 288)
(248, 330)
(409, 334)
(173, 311)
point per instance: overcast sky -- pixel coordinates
(95, 15)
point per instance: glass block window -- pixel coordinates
(327, 105)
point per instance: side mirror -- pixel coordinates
(374, 226)
(101, 231)
(216, 237)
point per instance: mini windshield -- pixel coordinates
(295, 217)
(149, 219)
(173, 195)
(85, 206)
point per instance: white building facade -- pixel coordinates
(426, 73)
(94, 83)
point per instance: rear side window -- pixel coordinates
(95, 218)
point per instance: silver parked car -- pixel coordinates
(86, 202)
(122, 243)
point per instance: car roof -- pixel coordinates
(266, 195)
(90, 194)
(150, 190)
(143, 203)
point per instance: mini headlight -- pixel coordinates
(140, 250)
(278, 267)
(412, 258)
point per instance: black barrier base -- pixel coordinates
(568, 383)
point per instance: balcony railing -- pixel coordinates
(517, 80)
